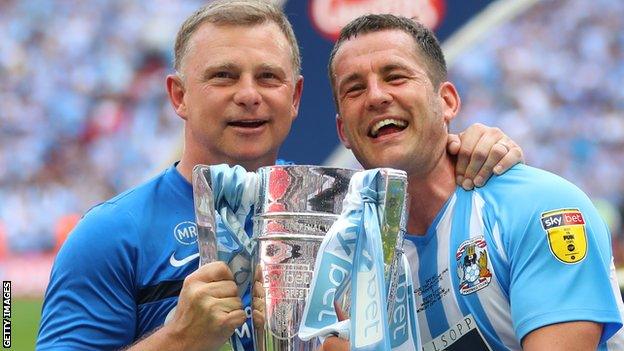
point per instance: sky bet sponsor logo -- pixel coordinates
(565, 229)
(562, 217)
(330, 277)
(6, 314)
(398, 322)
(186, 233)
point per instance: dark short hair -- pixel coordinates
(426, 42)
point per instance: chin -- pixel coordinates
(253, 156)
(378, 161)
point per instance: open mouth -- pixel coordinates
(248, 123)
(386, 126)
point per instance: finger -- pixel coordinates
(225, 304)
(339, 312)
(213, 272)
(481, 153)
(258, 319)
(469, 139)
(235, 319)
(497, 152)
(513, 157)
(258, 290)
(258, 273)
(453, 144)
(334, 343)
(222, 289)
(258, 304)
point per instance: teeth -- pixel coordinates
(384, 122)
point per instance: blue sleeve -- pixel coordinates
(559, 255)
(90, 300)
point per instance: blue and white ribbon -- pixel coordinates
(234, 192)
(351, 252)
(404, 333)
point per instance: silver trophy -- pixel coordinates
(204, 215)
(296, 207)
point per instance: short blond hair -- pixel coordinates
(239, 13)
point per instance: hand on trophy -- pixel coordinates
(209, 308)
(258, 301)
(334, 343)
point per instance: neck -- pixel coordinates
(190, 159)
(428, 193)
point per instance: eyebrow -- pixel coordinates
(393, 66)
(272, 68)
(227, 66)
(384, 70)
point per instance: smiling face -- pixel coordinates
(389, 112)
(237, 93)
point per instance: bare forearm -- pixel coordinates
(570, 336)
(161, 339)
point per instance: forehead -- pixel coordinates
(375, 50)
(261, 42)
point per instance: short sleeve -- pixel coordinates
(559, 257)
(90, 301)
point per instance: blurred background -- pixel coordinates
(84, 113)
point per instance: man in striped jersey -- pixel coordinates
(521, 263)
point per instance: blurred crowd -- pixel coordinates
(553, 79)
(84, 113)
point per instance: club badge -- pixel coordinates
(566, 234)
(472, 265)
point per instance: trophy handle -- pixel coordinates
(204, 215)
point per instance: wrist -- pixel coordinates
(178, 339)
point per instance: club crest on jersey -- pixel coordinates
(566, 234)
(472, 265)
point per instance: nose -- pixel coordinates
(247, 95)
(377, 96)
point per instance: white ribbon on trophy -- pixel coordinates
(352, 252)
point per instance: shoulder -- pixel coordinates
(523, 199)
(134, 198)
(527, 203)
(525, 187)
(114, 223)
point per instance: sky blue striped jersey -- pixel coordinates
(526, 250)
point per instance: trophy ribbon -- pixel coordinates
(233, 193)
(352, 252)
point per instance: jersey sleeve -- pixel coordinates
(90, 301)
(559, 256)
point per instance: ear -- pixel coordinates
(451, 102)
(341, 132)
(175, 89)
(297, 96)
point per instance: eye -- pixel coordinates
(354, 89)
(268, 75)
(396, 78)
(222, 75)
